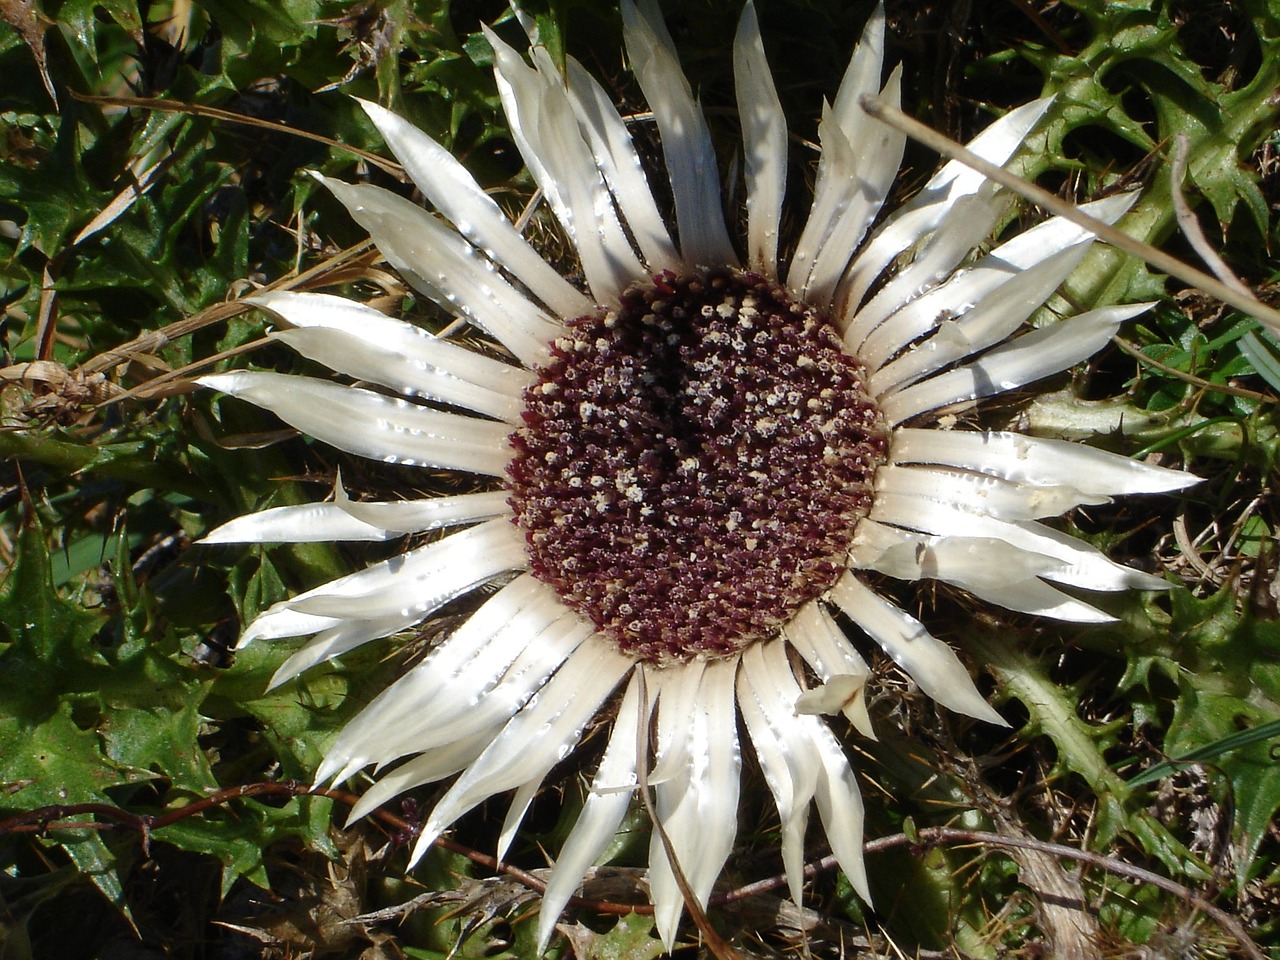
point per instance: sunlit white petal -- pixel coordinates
(994, 318)
(304, 523)
(445, 267)
(698, 804)
(412, 344)
(370, 425)
(536, 738)
(1036, 460)
(612, 790)
(922, 213)
(686, 141)
(617, 159)
(1030, 357)
(546, 130)
(990, 569)
(455, 193)
(764, 140)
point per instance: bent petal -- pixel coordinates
(304, 523)
(1084, 565)
(990, 569)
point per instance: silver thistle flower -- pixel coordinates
(691, 463)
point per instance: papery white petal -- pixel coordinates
(465, 553)
(924, 211)
(783, 741)
(304, 523)
(455, 193)
(965, 226)
(764, 142)
(523, 680)
(841, 810)
(536, 738)
(391, 595)
(843, 694)
(913, 310)
(698, 805)
(823, 644)
(995, 317)
(418, 516)
(280, 620)
(356, 358)
(980, 493)
(370, 425)
(990, 569)
(606, 805)
(519, 806)
(618, 161)
(928, 661)
(860, 159)
(546, 130)
(817, 638)
(417, 347)
(862, 78)
(444, 266)
(686, 141)
(1085, 566)
(457, 674)
(1023, 459)
(859, 154)
(677, 690)
(1030, 357)
(421, 580)
(436, 764)
(343, 636)
(877, 160)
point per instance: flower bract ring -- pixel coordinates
(688, 466)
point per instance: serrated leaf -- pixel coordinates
(40, 626)
(240, 837)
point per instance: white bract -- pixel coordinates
(925, 327)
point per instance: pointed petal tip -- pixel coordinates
(979, 709)
(215, 381)
(546, 929)
(420, 848)
(1168, 480)
(385, 121)
(282, 676)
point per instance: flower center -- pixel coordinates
(692, 466)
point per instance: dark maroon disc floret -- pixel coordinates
(692, 466)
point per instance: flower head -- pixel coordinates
(690, 464)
